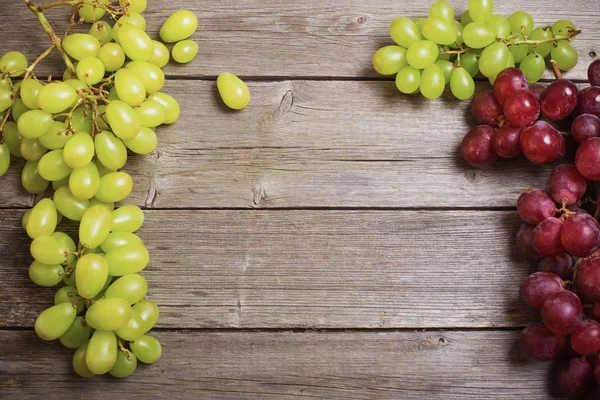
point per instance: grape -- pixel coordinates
(447, 68)
(13, 62)
(30, 89)
(68, 242)
(408, 80)
(4, 158)
(123, 120)
(92, 271)
(506, 142)
(31, 180)
(78, 334)
(534, 206)
(132, 288)
(525, 242)
(125, 365)
(42, 219)
(79, 151)
(541, 143)
(144, 143)
(538, 286)
(179, 26)
(561, 312)
(233, 91)
(507, 82)
(422, 53)
(185, 51)
(95, 226)
(563, 27)
(90, 12)
(148, 311)
(136, 44)
(521, 108)
(432, 82)
(485, 108)
(230, 85)
(34, 123)
(462, 84)
(101, 30)
(110, 150)
(584, 127)
(12, 138)
(133, 329)
(521, 22)
(588, 279)
(101, 353)
(90, 70)
(56, 138)
(52, 166)
(478, 35)
(82, 120)
(45, 275)
(6, 99)
(585, 339)
(134, 19)
(593, 73)
(18, 109)
(129, 87)
(133, 6)
(53, 322)
(566, 184)
(581, 235)
(69, 295)
(465, 18)
(147, 349)
(48, 250)
(438, 30)
(112, 56)
(547, 237)
(85, 182)
(588, 102)
(587, 159)
(540, 344)
(151, 113)
(114, 187)
(476, 147)
(481, 10)
(543, 49)
(108, 314)
(559, 99)
(533, 66)
(126, 260)
(119, 239)
(127, 219)
(151, 76)
(32, 149)
(459, 28)
(575, 377)
(500, 26)
(564, 55)
(519, 51)
(79, 365)
(561, 265)
(160, 56)
(442, 9)
(81, 45)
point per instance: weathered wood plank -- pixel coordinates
(285, 365)
(315, 144)
(310, 269)
(302, 38)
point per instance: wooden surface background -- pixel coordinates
(326, 242)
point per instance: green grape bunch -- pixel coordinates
(76, 134)
(440, 50)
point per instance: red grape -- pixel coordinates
(525, 242)
(506, 142)
(584, 127)
(589, 101)
(575, 377)
(521, 108)
(587, 159)
(559, 99)
(538, 286)
(539, 344)
(580, 235)
(561, 265)
(537, 90)
(534, 206)
(585, 339)
(588, 279)
(561, 312)
(597, 371)
(485, 108)
(594, 73)
(566, 184)
(542, 144)
(546, 237)
(508, 81)
(477, 148)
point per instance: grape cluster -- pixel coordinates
(437, 51)
(77, 134)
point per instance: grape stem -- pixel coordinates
(29, 70)
(6, 116)
(556, 70)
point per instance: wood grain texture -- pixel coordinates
(310, 269)
(286, 365)
(315, 144)
(294, 39)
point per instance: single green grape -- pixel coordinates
(132, 288)
(447, 67)
(77, 84)
(92, 271)
(112, 57)
(7, 99)
(408, 80)
(185, 51)
(34, 123)
(500, 26)
(78, 333)
(30, 89)
(31, 179)
(134, 19)
(45, 275)
(130, 88)
(114, 187)
(110, 150)
(13, 62)
(68, 242)
(127, 219)
(95, 226)
(465, 18)
(81, 45)
(82, 120)
(161, 54)
(102, 31)
(108, 314)
(48, 250)
(125, 260)
(119, 239)
(511, 61)
(53, 322)
(32, 149)
(148, 312)
(422, 54)
(101, 354)
(564, 27)
(458, 28)
(69, 205)
(144, 143)
(133, 329)
(564, 55)
(419, 23)
(151, 76)
(18, 109)
(481, 10)
(147, 349)
(533, 66)
(57, 97)
(42, 220)
(136, 44)
(90, 12)
(439, 31)
(152, 114)
(520, 51)
(494, 59)
(179, 26)
(79, 150)
(230, 83)
(79, 365)
(134, 6)
(442, 9)
(12, 138)
(56, 138)
(521, 22)
(462, 84)
(404, 32)
(85, 182)
(234, 92)
(125, 365)
(52, 166)
(123, 120)
(90, 70)
(542, 49)
(68, 294)
(432, 82)
(478, 35)
(4, 158)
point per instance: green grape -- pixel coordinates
(123, 120)
(447, 67)
(31, 179)
(101, 353)
(133, 19)
(129, 87)
(34, 123)
(56, 138)
(42, 220)
(110, 150)
(18, 109)
(233, 91)
(90, 13)
(13, 62)
(90, 70)
(32, 149)
(439, 31)
(134, 6)
(53, 322)
(151, 76)
(109, 314)
(132, 288)
(542, 49)
(161, 55)
(133, 329)
(404, 32)
(408, 80)
(564, 55)
(101, 30)
(78, 333)
(5, 82)
(95, 226)
(493, 59)
(69, 280)
(511, 61)
(533, 67)
(69, 244)
(52, 166)
(432, 82)
(499, 25)
(136, 44)
(30, 89)
(25, 218)
(79, 365)
(76, 84)
(112, 56)
(419, 23)
(69, 205)
(45, 275)
(481, 10)
(69, 295)
(458, 28)
(92, 271)
(147, 349)
(422, 54)
(102, 170)
(114, 187)
(462, 84)
(179, 26)
(465, 18)
(12, 138)
(108, 205)
(185, 51)
(229, 83)
(82, 120)
(442, 9)
(519, 52)
(124, 366)
(127, 219)
(81, 45)
(521, 22)
(564, 27)
(7, 99)
(152, 114)
(48, 250)
(126, 260)
(60, 183)
(144, 143)
(4, 158)
(120, 239)
(478, 35)
(148, 311)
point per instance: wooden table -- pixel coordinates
(326, 242)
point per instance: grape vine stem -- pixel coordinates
(37, 61)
